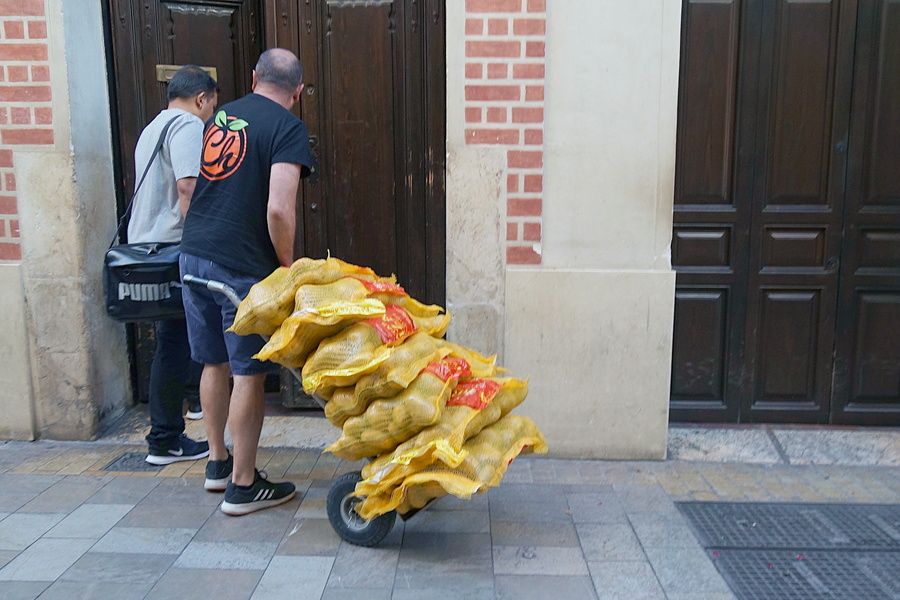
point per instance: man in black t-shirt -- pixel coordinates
(240, 227)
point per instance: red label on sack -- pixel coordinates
(382, 287)
(474, 393)
(394, 325)
(449, 368)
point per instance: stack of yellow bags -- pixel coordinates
(435, 414)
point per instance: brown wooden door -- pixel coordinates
(796, 197)
(374, 106)
(226, 35)
(712, 215)
(760, 225)
(867, 354)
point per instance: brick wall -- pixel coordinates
(504, 106)
(26, 116)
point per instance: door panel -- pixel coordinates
(867, 355)
(699, 383)
(801, 41)
(710, 233)
(796, 216)
(788, 340)
(359, 136)
(706, 146)
(375, 106)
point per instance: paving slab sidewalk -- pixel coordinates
(561, 529)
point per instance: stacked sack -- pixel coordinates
(435, 414)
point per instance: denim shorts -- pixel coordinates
(209, 314)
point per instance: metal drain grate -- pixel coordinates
(810, 526)
(130, 462)
(802, 551)
(816, 575)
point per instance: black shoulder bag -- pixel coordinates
(141, 282)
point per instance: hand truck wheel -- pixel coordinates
(347, 522)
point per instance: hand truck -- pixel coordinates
(341, 503)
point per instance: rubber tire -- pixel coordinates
(359, 533)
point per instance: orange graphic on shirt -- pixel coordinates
(224, 147)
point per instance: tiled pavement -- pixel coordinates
(559, 529)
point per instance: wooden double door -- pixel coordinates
(786, 241)
(374, 104)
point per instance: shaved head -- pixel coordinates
(279, 68)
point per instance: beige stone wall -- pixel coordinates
(592, 324)
(75, 356)
(16, 399)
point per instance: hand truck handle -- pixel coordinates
(214, 286)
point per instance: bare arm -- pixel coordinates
(284, 179)
(185, 187)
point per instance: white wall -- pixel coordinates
(591, 326)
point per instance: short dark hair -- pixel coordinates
(279, 67)
(190, 80)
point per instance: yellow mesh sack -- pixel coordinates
(302, 332)
(482, 366)
(488, 455)
(389, 421)
(512, 394)
(320, 311)
(271, 301)
(391, 377)
(473, 405)
(340, 404)
(310, 297)
(409, 304)
(358, 350)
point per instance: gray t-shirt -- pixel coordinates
(156, 216)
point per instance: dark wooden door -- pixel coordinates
(373, 104)
(712, 214)
(226, 35)
(761, 211)
(796, 197)
(867, 354)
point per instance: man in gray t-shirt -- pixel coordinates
(157, 215)
(163, 198)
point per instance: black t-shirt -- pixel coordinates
(227, 222)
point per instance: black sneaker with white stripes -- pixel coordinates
(245, 499)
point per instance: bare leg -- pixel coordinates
(215, 396)
(247, 412)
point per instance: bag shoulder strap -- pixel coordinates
(156, 149)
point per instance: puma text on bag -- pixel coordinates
(141, 282)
